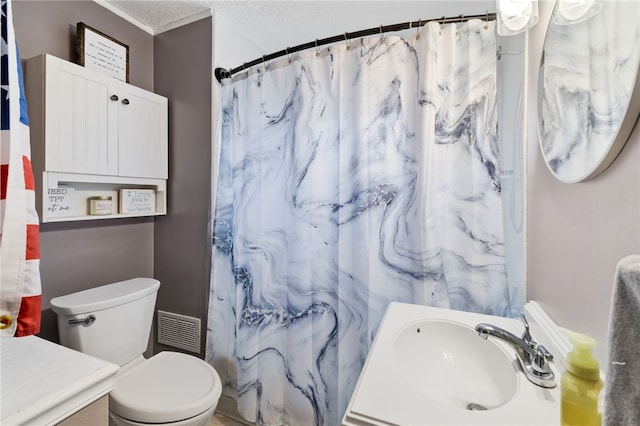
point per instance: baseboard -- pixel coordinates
(228, 407)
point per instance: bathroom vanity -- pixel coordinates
(429, 366)
(43, 383)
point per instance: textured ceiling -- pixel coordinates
(274, 25)
(157, 14)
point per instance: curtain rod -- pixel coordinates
(222, 73)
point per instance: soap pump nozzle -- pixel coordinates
(580, 361)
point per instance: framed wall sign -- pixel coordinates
(98, 51)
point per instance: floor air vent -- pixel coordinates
(179, 331)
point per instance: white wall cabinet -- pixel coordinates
(94, 134)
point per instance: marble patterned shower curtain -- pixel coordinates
(348, 178)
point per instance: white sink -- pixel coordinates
(471, 373)
(428, 366)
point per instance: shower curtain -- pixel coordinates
(349, 177)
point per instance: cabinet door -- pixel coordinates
(143, 133)
(81, 120)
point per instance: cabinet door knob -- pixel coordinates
(125, 101)
(114, 97)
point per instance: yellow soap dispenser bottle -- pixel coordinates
(580, 384)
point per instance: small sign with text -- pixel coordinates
(60, 201)
(136, 201)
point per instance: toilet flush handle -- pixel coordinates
(84, 321)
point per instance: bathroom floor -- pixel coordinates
(220, 420)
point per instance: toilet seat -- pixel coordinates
(168, 387)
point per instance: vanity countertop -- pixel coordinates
(43, 383)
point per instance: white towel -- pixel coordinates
(622, 392)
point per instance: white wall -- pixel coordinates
(275, 25)
(578, 232)
(231, 45)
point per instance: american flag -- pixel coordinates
(20, 289)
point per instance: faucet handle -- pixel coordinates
(541, 351)
(526, 336)
(540, 359)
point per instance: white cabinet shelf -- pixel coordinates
(94, 135)
(86, 186)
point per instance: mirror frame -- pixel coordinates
(619, 139)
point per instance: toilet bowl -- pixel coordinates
(113, 322)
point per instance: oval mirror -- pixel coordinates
(588, 87)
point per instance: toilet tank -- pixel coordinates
(122, 315)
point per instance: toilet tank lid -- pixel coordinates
(103, 297)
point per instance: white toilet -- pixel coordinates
(113, 323)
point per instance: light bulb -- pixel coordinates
(574, 11)
(516, 16)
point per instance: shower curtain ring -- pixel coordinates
(461, 19)
(418, 30)
(441, 25)
(381, 33)
(264, 62)
(317, 51)
(346, 41)
(288, 54)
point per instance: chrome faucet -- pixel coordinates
(533, 357)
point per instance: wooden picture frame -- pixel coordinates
(98, 51)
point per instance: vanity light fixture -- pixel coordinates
(516, 16)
